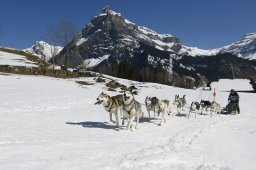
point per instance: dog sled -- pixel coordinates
(230, 108)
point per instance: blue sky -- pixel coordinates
(205, 24)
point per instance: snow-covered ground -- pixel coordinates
(49, 123)
(15, 60)
(236, 84)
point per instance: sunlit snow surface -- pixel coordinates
(15, 60)
(49, 123)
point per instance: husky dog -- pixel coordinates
(131, 109)
(181, 102)
(205, 104)
(194, 107)
(152, 105)
(215, 107)
(112, 105)
(165, 106)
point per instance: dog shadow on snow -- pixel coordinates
(181, 114)
(89, 124)
(104, 125)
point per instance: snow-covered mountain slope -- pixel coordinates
(61, 128)
(245, 48)
(44, 50)
(15, 60)
(194, 51)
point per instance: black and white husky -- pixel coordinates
(205, 105)
(212, 106)
(180, 102)
(152, 104)
(194, 107)
(132, 110)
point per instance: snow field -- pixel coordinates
(49, 123)
(15, 60)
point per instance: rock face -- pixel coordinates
(113, 45)
(109, 34)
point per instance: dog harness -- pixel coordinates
(129, 111)
(110, 105)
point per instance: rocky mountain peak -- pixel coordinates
(43, 50)
(110, 23)
(250, 36)
(106, 9)
(245, 48)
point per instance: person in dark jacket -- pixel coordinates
(233, 99)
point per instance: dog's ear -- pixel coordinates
(135, 92)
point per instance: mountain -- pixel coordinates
(113, 45)
(43, 50)
(245, 48)
(110, 37)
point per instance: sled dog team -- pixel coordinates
(127, 107)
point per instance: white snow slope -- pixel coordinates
(15, 60)
(48, 123)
